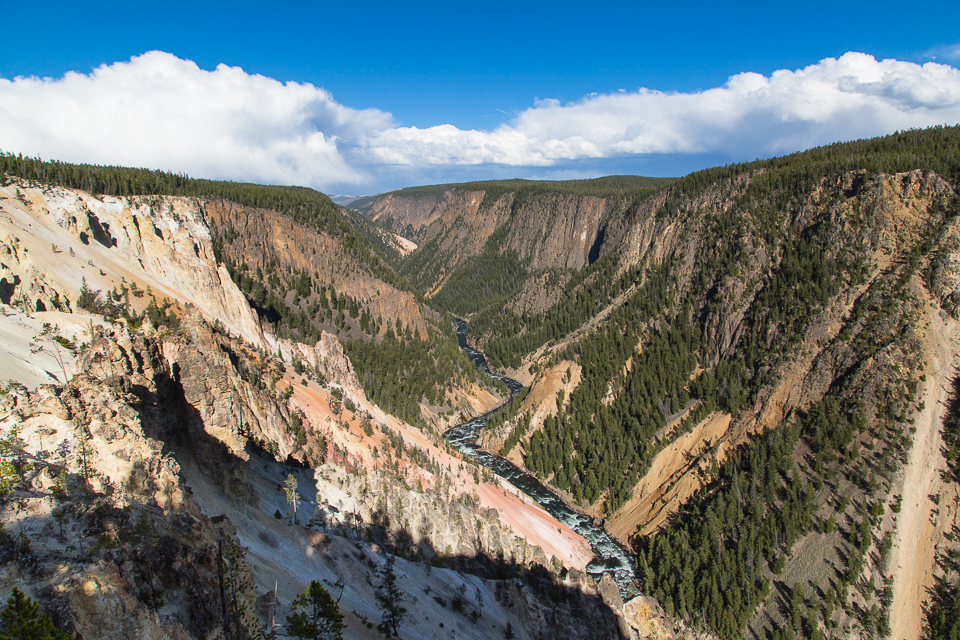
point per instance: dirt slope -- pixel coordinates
(919, 530)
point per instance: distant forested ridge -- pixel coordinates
(600, 187)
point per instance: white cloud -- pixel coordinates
(836, 99)
(160, 111)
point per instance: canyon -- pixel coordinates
(193, 423)
(739, 383)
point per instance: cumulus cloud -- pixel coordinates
(160, 111)
(836, 99)
(157, 110)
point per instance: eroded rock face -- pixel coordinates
(546, 231)
(644, 618)
(104, 607)
(118, 549)
(53, 239)
(328, 357)
(552, 229)
(442, 523)
(408, 215)
(541, 620)
(23, 282)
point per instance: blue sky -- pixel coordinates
(530, 90)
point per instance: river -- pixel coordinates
(610, 556)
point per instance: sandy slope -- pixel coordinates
(917, 530)
(669, 483)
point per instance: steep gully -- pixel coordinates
(611, 558)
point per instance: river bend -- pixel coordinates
(610, 556)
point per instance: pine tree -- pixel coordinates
(83, 452)
(237, 592)
(21, 619)
(48, 337)
(293, 496)
(88, 298)
(316, 616)
(389, 597)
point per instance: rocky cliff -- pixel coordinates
(54, 239)
(101, 527)
(549, 229)
(157, 486)
(406, 214)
